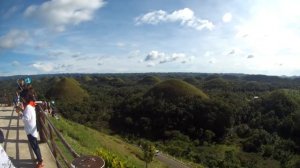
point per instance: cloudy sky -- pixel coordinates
(116, 36)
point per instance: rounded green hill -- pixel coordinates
(116, 82)
(149, 80)
(191, 80)
(174, 88)
(87, 78)
(54, 80)
(67, 89)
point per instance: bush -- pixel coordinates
(254, 143)
(111, 160)
(243, 131)
(267, 150)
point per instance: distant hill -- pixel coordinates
(174, 88)
(216, 83)
(149, 80)
(87, 78)
(191, 80)
(113, 81)
(116, 82)
(67, 89)
(54, 80)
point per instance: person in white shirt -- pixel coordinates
(30, 126)
(5, 162)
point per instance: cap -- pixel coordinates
(27, 80)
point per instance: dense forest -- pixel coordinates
(218, 120)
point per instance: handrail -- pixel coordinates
(48, 132)
(49, 145)
(71, 150)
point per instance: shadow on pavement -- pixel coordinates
(18, 162)
(23, 163)
(9, 118)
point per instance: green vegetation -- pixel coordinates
(111, 159)
(149, 151)
(175, 88)
(114, 150)
(67, 90)
(219, 120)
(149, 80)
(191, 80)
(87, 78)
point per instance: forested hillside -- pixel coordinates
(218, 120)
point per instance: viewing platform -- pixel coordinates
(16, 143)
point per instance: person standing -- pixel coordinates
(30, 125)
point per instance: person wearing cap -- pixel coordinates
(30, 125)
(17, 100)
(27, 80)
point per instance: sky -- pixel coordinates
(138, 36)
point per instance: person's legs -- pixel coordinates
(35, 146)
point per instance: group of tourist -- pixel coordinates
(49, 108)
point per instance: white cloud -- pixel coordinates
(56, 53)
(41, 45)
(120, 44)
(250, 56)
(227, 17)
(174, 57)
(152, 17)
(13, 38)
(76, 55)
(212, 61)
(151, 64)
(208, 54)
(231, 52)
(58, 14)
(234, 51)
(185, 16)
(62, 67)
(43, 66)
(154, 55)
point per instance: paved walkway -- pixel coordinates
(16, 144)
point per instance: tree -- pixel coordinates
(230, 160)
(209, 135)
(149, 151)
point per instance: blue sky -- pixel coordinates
(116, 36)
